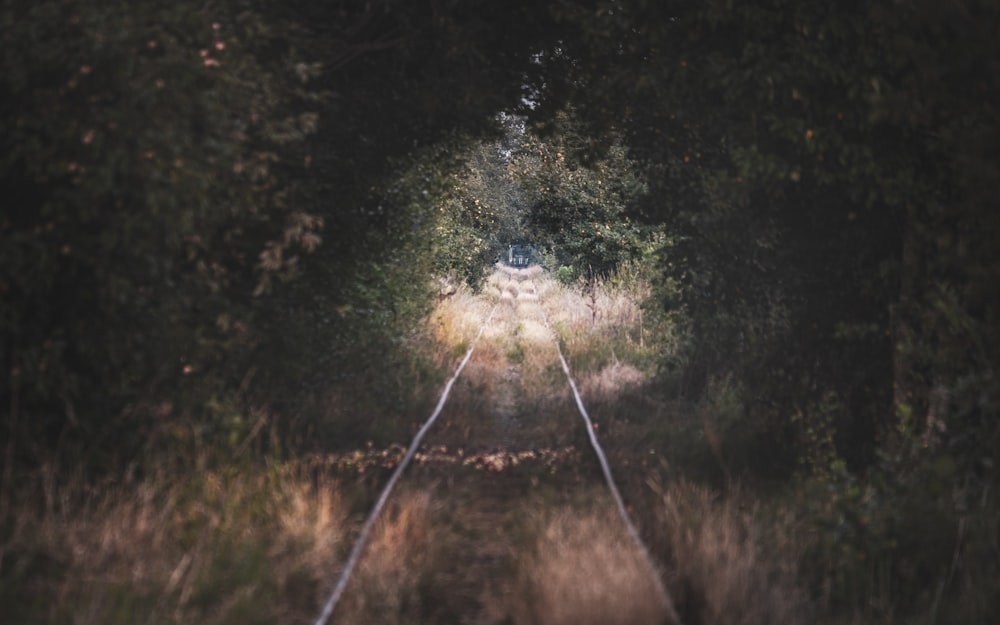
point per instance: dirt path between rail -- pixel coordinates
(523, 452)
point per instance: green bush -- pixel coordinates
(566, 275)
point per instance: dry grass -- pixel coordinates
(606, 385)
(212, 547)
(582, 570)
(254, 546)
(590, 306)
(732, 569)
(457, 318)
(517, 336)
(394, 581)
(599, 322)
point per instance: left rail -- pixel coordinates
(366, 528)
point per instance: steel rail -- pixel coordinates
(606, 470)
(366, 528)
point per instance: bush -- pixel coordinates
(566, 275)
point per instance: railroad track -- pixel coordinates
(497, 434)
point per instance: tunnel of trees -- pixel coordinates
(215, 209)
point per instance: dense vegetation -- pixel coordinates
(220, 219)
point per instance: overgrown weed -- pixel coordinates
(581, 568)
(730, 565)
(600, 322)
(397, 579)
(219, 546)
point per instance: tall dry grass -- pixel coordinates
(596, 322)
(608, 384)
(458, 316)
(730, 566)
(516, 338)
(602, 321)
(582, 569)
(253, 546)
(215, 546)
(727, 565)
(397, 580)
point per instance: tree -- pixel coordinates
(576, 201)
(138, 144)
(480, 215)
(795, 153)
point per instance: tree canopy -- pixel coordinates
(194, 191)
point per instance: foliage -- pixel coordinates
(138, 144)
(481, 214)
(577, 209)
(171, 168)
(403, 90)
(208, 234)
(565, 275)
(917, 532)
(230, 545)
(823, 176)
